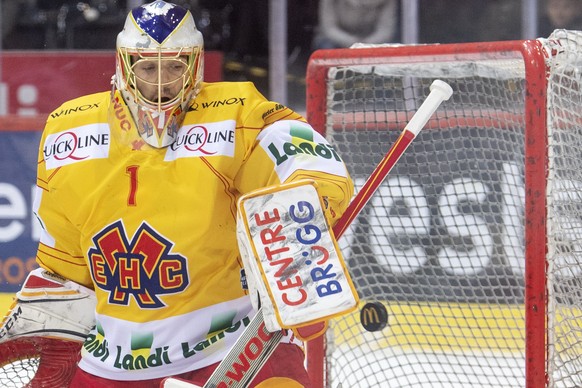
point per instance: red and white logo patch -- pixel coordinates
(76, 145)
(208, 139)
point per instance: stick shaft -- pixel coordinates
(373, 182)
(440, 91)
(226, 374)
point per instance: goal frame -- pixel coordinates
(536, 167)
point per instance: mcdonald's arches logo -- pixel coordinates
(374, 316)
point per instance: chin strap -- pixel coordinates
(157, 128)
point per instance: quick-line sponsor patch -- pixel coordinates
(207, 139)
(76, 145)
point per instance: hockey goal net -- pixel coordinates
(474, 241)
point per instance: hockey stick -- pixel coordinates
(256, 344)
(439, 91)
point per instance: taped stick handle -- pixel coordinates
(439, 91)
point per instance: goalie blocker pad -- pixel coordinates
(292, 259)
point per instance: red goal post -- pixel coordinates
(456, 242)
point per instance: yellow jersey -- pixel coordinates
(152, 230)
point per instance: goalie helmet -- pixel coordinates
(159, 68)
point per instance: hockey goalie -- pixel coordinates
(137, 195)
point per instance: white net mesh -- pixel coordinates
(431, 242)
(442, 243)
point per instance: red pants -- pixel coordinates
(286, 361)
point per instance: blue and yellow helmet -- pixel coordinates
(163, 36)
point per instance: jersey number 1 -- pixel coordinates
(132, 172)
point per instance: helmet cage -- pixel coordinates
(179, 65)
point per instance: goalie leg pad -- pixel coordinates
(49, 305)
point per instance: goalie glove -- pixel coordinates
(293, 266)
(49, 305)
